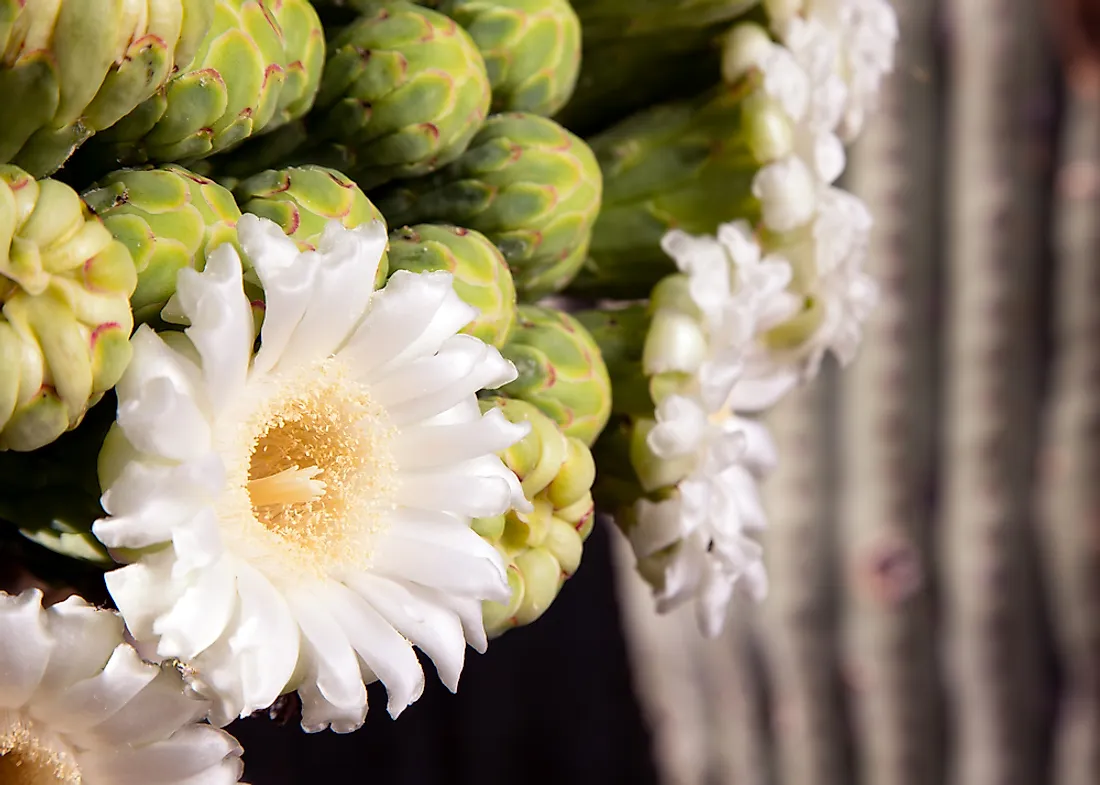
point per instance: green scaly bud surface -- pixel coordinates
(561, 371)
(403, 92)
(65, 319)
(528, 185)
(168, 218)
(74, 67)
(304, 43)
(532, 50)
(230, 91)
(541, 549)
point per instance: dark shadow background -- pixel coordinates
(549, 703)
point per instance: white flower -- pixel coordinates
(803, 80)
(864, 34)
(787, 191)
(739, 293)
(699, 543)
(78, 706)
(298, 519)
(838, 292)
(847, 295)
(745, 292)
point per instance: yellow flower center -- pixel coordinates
(319, 473)
(27, 758)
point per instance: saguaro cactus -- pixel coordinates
(991, 627)
(888, 412)
(1070, 495)
(801, 617)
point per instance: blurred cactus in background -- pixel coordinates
(933, 613)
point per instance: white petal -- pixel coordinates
(714, 599)
(409, 318)
(467, 609)
(342, 287)
(87, 703)
(429, 386)
(221, 323)
(435, 629)
(200, 615)
(142, 591)
(787, 194)
(84, 638)
(659, 525)
(757, 394)
(153, 714)
(681, 423)
(197, 543)
(430, 446)
(148, 501)
(333, 691)
(467, 495)
(193, 750)
(682, 574)
(157, 408)
(829, 157)
(264, 645)
(287, 281)
(442, 553)
(740, 243)
(24, 646)
(761, 454)
(380, 646)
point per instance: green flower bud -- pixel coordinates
(532, 50)
(529, 185)
(561, 371)
(65, 286)
(542, 548)
(230, 90)
(404, 89)
(168, 218)
(70, 69)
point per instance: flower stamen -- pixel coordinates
(290, 486)
(27, 759)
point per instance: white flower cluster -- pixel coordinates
(292, 518)
(768, 304)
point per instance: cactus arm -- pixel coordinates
(887, 409)
(800, 612)
(992, 633)
(1069, 495)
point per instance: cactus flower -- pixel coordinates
(81, 706)
(299, 519)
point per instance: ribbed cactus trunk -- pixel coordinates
(888, 411)
(992, 630)
(1070, 522)
(800, 615)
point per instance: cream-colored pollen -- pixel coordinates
(28, 759)
(320, 473)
